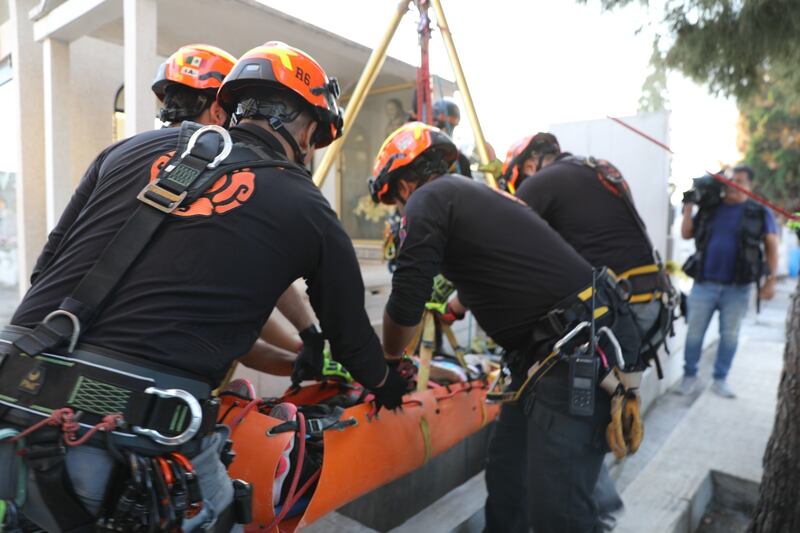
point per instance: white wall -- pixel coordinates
(96, 74)
(645, 166)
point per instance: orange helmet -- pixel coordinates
(280, 66)
(401, 151)
(540, 144)
(198, 66)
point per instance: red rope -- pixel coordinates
(301, 455)
(716, 176)
(754, 196)
(603, 357)
(65, 418)
(302, 490)
(109, 423)
(641, 133)
(56, 418)
(243, 412)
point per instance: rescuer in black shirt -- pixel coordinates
(207, 283)
(186, 85)
(594, 220)
(197, 296)
(510, 269)
(588, 202)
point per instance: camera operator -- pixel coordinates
(732, 237)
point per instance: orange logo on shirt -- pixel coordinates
(229, 192)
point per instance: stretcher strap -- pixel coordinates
(534, 377)
(425, 430)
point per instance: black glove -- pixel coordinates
(390, 394)
(308, 365)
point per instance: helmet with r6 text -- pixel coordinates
(278, 66)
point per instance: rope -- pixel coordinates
(243, 413)
(292, 495)
(68, 421)
(109, 423)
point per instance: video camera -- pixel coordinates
(707, 192)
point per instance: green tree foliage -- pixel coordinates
(654, 90)
(746, 49)
(770, 138)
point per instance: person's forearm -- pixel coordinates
(687, 225)
(294, 307)
(771, 248)
(279, 331)
(456, 305)
(268, 358)
(396, 337)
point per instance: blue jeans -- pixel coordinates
(731, 302)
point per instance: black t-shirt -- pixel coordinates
(198, 296)
(508, 265)
(591, 218)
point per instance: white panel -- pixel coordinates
(58, 182)
(645, 166)
(141, 36)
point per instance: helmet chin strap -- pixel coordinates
(277, 125)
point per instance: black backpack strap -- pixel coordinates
(203, 155)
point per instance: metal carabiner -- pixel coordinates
(615, 343)
(76, 326)
(195, 414)
(569, 336)
(227, 143)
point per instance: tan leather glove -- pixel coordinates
(614, 432)
(632, 427)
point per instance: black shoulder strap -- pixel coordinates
(203, 155)
(613, 177)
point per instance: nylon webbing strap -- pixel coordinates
(44, 383)
(169, 190)
(194, 168)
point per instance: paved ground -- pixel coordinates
(715, 434)
(686, 437)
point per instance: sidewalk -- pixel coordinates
(716, 434)
(685, 439)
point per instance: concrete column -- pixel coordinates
(57, 94)
(141, 29)
(27, 72)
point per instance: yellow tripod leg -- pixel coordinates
(426, 351)
(412, 346)
(457, 349)
(228, 378)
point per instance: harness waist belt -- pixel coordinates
(168, 409)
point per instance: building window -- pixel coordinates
(118, 118)
(382, 113)
(5, 70)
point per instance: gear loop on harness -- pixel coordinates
(195, 413)
(227, 143)
(76, 326)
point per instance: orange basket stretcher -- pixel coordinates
(368, 453)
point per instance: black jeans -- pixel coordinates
(542, 468)
(543, 463)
